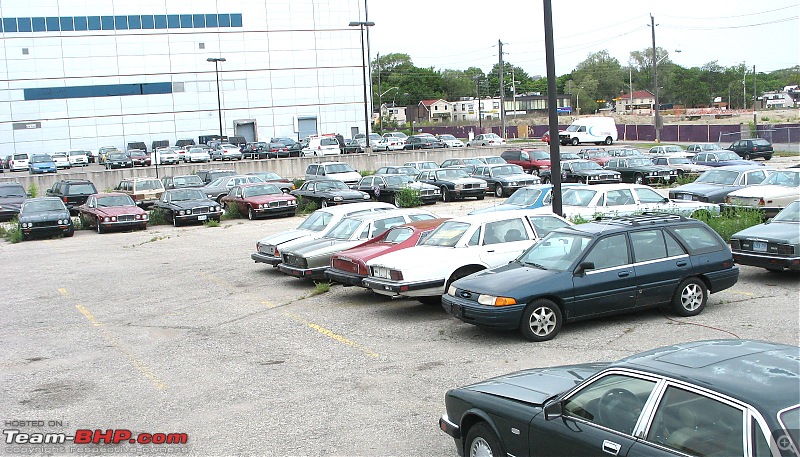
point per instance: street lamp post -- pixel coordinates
(361, 25)
(216, 61)
(656, 119)
(380, 107)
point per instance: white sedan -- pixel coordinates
(61, 160)
(781, 188)
(450, 141)
(457, 248)
(487, 139)
(389, 143)
(197, 155)
(610, 200)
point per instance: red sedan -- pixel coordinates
(260, 199)
(112, 210)
(546, 137)
(350, 267)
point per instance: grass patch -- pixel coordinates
(305, 206)
(211, 223)
(298, 183)
(367, 172)
(13, 234)
(232, 212)
(685, 179)
(33, 190)
(730, 222)
(158, 217)
(408, 198)
(320, 288)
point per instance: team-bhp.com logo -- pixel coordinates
(86, 436)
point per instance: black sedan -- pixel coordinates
(385, 188)
(422, 142)
(329, 192)
(354, 146)
(583, 171)
(641, 170)
(283, 147)
(715, 184)
(398, 170)
(44, 216)
(504, 179)
(118, 160)
(188, 205)
(774, 245)
(12, 195)
(706, 398)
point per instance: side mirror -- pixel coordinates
(665, 200)
(583, 267)
(553, 410)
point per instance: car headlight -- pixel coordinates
(106, 219)
(513, 183)
(594, 177)
(653, 173)
(482, 185)
(451, 290)
(292, 202)
(459, 186)
(491, 300)
(366, 196)
(437, 192)
(145, 216)
(337, 198)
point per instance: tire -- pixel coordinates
(396, 201)
(767, 157)
(499, 191)
(482, 441)
(445, 195)
(638, 179)
(175, 222)
(608, 141)
(323, 204)
(250, 213)
(575, 141)
(100, 228)
(70, 233)
(690, 298)
(541, 321)
(747, 157)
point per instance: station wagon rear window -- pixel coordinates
(82, 189)
(698, 239)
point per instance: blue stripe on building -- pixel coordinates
(109, 90)
(133, 22)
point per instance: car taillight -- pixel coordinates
(761, 202)
(396, 275)
(64, 198)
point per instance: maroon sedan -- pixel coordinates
(260, 199)
(349, 267)
(140, 158)
(112, 210)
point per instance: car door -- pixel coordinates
(90, 213)
(598, 419)
(608, 287)
(619, 202)
(504, 240)
(659, 263)
(753, 177)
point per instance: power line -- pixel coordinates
(729, 17)
(786, 19)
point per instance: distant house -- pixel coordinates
(394, 113)
(789, 97)
(640, 102)
(535, 104)
(434, 111)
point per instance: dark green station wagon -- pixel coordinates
(596, 269)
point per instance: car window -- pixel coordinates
(648, 245)
(614, 401)
(619, 197)
(421, 217)
(755, 177)
(698, 238)
(382, 225)
(447, 234)
(546, 224)
(648, 196)
(698, 425)
(609, 252)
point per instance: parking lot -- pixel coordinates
(176, 330)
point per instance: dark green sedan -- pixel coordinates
(704, 398)
(641, 170)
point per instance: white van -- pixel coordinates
(320, 145)
(78, 157)
(18, 161)
(597, 130)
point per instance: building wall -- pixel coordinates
(62, 88)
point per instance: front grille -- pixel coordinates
(201, 210)
(471, 186)
(43, 224)
(427, 192)
(126, 218)
(295, 261)
(279, 204)
(663, 173)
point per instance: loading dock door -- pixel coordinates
(306, 126)
(246, 128)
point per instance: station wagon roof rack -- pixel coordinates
(645, 218)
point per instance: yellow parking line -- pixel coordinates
(63, 292)
(744, 293)
(88, 315)
(268, 304)
(332, 335)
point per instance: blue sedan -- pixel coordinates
(528, 197)
(41, 163)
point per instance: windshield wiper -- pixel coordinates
(535, 265)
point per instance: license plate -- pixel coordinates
(202, 218)
(455, 310)
(759, 246)
(686, 197)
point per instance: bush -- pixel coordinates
(33, 190)
(211, 223)
(408, 198)
(306, 206)
(298, 183)
(158, 217)
(232, 212)
(366, 173)
(729, 222)
(13, 234)
(685, 179)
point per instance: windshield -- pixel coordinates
(264, 189)
(316, 221)
(557, 251)
(578, 197)
(268, 175)
(118, 157)
(760, 142)
(344, 229)
(86, 189)
(727, 156)
(338, 167)
(150, 184)
(789, 214)
(679, 161)
(524, 197)
(188, 180)
(595, 154)
(187, 194)
(585, 166)
(539, 155)
(329, 142)
(673, 149)
(447, 234)
(398, 235)
(506, 170)
(783, 178)
(49, 204)
(569, 156)
(331, 185)
(573, 128)
(12, 191)
(711, 147)
(447, 137)
(718, 177)
(453, 173)
(639, 162)
(408, 171)
(115, 200)
(41, 158)
(396, 180)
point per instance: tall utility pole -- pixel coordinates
(502, 94)
(552, 106)
(478, 101)
(656, 118)
(755, 120)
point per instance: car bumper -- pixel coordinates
(282, 211)
(408, 289)
(258, 257)
(297, 272)
(35, 171)
(722, 279)
(343, 277)
(604, 181)
(199, 217)
(498, 317)
(449, 427)
(50, 229)
(767, 261)
(463, 193)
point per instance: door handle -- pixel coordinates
(681, 263)
(492, 250)
(624, 274)
(610, 447)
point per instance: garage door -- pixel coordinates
(306, 126)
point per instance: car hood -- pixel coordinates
(368, 252)
(504, 280)
(537, 385)
(768, 190)
(312, 248)
(704, 189)
(466, 181)
(270, 198)
(516, 177)
(287, 235)
(188, 204)
(775, 231)
(45, 216)
(11, 202)
(503, 207)
(117, 210)
(345, 194)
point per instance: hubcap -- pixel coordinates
(480, 448)
(543, 321)
(692, 297)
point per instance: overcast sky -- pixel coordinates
(462, 34)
